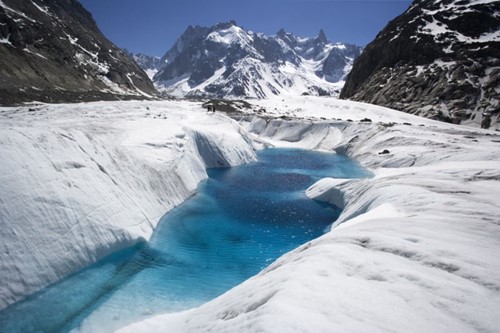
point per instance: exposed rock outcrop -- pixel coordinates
(439, 59)
(53, 51)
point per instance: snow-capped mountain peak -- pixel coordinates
(228, 61)
(229, 33)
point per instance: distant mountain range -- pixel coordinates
(150, 64)
(227, 61)
(440, 59)
(53, 51)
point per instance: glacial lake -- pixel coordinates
(240, 220)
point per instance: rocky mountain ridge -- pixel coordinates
(53, 51)
(439, 59)
(227, 61)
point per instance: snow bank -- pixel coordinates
(415, 249)
(81, 181)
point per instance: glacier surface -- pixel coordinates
(414, 249)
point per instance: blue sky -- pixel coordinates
(152, 26)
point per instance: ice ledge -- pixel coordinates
(330, 190)
(222, 146)
(327, 190)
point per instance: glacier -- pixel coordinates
(413, 250)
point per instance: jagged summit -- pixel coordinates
(322, 37)
(281, 32)
(225, 25)
(226, 60)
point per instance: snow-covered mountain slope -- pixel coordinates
(81, 181)
(415, 249)
(53, 51)
(150, 64)
(228, 61)
(439, 59)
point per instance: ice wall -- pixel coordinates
(81, 181)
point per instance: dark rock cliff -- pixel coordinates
(439, 59)
(53, 51)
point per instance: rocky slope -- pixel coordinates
(439, 59)
(53, 51)
(228, 61)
